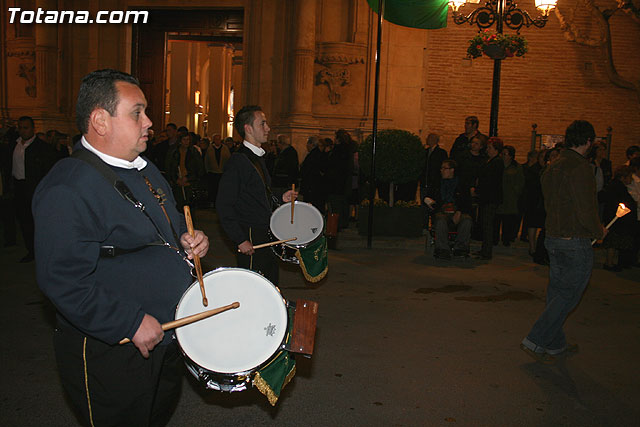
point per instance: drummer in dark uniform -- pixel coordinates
(245, 200)
(113, 268)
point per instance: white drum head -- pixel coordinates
(307, 223)
(236, 340)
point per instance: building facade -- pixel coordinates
(310, 64)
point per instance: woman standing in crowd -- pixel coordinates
(533, 204)
(512, 185)
(490, 192)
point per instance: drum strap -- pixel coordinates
(124, 191)
(258, 168)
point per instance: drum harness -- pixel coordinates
(109, 251)
(267, 187)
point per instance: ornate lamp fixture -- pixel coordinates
(500, 13)
(506, 11)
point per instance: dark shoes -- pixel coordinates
(442, 254)
(27, 258)
(481, 255)
(460, 253)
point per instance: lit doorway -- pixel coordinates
(200, 84)
(189, 63)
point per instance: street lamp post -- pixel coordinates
(500, 13)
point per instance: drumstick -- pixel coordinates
(196, 258)
(293, 200)
(264, 245)
(191, 319)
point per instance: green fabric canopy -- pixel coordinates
(426, 14)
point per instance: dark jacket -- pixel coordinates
(285, 170)
(460, 146)
(193, 162)
(243, 200)
(462, 198)
(490, 181)
(339, 169)
(569, 190)
(512, 185)
(468, 168)
(431, 173)
(39, 157)
(76, 210)
(312, 173)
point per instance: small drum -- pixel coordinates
(223, 351)
(308, 225)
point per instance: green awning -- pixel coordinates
(426, 14)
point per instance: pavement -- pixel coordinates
(403, 339)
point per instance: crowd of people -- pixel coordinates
(114, 256)
(480, 183)
(327, 177)
(494, 198)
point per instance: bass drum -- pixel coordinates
(225, 350)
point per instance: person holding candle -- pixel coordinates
(622, 232)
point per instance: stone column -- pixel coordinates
(303, 57)
(46, 36)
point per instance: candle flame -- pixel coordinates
(622, 206)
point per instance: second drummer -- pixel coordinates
(245, 201)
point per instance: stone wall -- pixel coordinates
(310, 64)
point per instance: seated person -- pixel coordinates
(450, 203)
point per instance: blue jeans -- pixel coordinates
(570, 264)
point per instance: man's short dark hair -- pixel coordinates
(511, 150)
(473, 119)
(450, 163)
(579, 133)
(172, 125)
(622, 171)
(632, 150)
(634, 164)
(98, 90)
(496, 143)
(480, 137)
(245, 117)
(27, 119)
(343, 137)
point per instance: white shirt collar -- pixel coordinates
(28, 141)
(258, 151)
(138, 163)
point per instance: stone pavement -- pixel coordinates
(402, 340)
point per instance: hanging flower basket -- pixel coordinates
(494, 51)
(496, 46)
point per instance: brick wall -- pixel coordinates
(432, 87)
